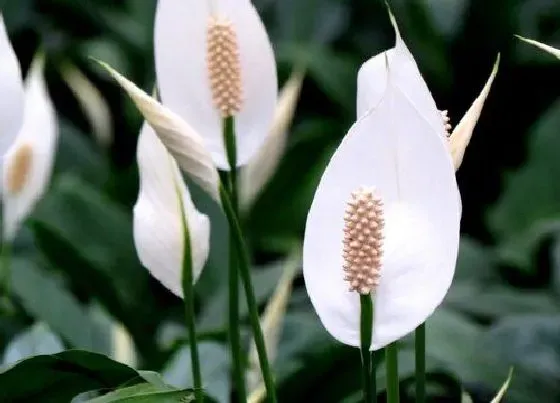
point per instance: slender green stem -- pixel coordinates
(420, 351)
(244, 270)
(366, 329)
(233, 272)
(5, 271)
(392, 367)
(188, 296)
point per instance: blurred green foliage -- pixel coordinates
(76, 272)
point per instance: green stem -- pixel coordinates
(366, 329)
(5, 271)
(188, 296)
(234, 329)
(392, 367)
(420, 351)
(244, 270)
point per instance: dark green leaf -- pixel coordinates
(36, 340)
(146, 393)
(59, 377)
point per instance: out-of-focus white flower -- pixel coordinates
(385, 217)
(27, 166)
(11, 86)
(262, 166)
(547, 48)
(372, 82)
(180, 139)
(92, 102)
(163, 202)
(214, 59)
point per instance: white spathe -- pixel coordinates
(11, 87)
(158, 229)
(182, 75)
(39, 133)
(181, 140)
(547, 48)
(393, 147)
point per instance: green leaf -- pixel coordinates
(146, 393)
(338, 81)
(513, 216)
(38, 339)
(531, 345)
(45, 298)
(89, 238)
(214, 359)
(59, 377)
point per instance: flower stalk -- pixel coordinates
(233, 272)
(366, 330)
(392, 368)
(244, 271)
(420, 362)
(188, 293)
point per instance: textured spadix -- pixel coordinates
(158, 230)
(399, 148)
(27, 166)
(11, 88)
(180, 139)
(189, 74)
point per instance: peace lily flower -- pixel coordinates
(163, 201)
(372, 80)
(385, 218)
(214, 60)
(547, 48)
(11, 102)
(27, 166)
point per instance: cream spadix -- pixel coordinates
(372, 81)
(397, 241)
(162, 202)
(11, 87)
(213, 60)
(27, 166)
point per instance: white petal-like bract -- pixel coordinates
(395, 149)
(158, 230)
(372, 83)
(182, 73)
(254, 176)
(547, 48)
(180, 139)
(11, 87)
(27, 166)
(461, 135)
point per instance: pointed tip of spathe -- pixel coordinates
(392, 18)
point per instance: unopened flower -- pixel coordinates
(385, 218)
(181, 140)
(11, 101)
(547, 48)
(214, 60)
(372, 81)
(27, 166)
(261, 167)
(163, 203)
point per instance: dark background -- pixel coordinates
(504, 307)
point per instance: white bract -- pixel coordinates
(399, 148)
(27, 166)
(11, 86)
(547, 48)
(163, 202)
(372, 82)
(236, 77)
